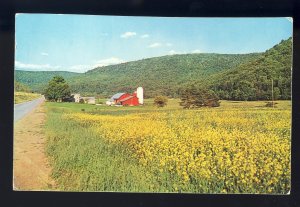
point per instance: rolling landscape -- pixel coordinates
(233, 77)
(161, 122)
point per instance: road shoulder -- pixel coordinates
(31, 167)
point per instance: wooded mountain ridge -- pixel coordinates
(231, 76)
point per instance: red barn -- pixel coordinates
(125, 99)
(129, 101)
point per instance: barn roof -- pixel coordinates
(116, 96)
(127, 98)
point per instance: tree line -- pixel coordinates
(58, 90)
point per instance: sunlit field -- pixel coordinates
(20, 97)
(239, 147)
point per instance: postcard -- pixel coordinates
(152, 104)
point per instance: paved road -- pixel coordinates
(20, 110)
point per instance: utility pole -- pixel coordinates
(272, 94)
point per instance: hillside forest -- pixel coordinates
(230, 76)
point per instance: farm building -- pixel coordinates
(126, 99)
(129, 100)
(76, 97)
(79, 99)
(89, 100)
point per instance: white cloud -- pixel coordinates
(99, 63)
(196, 51)
(290, 19)
(74, 68)
(158, 44)
(27, 66)
(80, 68)
(155, 45)
(108, 61)
(144, 36)
(172, 52)
(44, 54)
(128, 35)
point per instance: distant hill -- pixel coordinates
(253, 80)
(36, 80)
(231, 76)
(159, 76)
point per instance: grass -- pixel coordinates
(254, 104)
(78, 153)
(21, 97)
(99, 154)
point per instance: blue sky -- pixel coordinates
(78, 43)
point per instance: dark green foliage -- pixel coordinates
(57, 89)
(37, 80)
(158, 76)
(160, 101)
(195, 97)
(253, 80)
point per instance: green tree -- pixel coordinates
(160, 101)
(193, 97)
(57, 89)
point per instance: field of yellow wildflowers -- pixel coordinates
(224, 150)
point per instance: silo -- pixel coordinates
(140, 95)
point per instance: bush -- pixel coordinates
(193, 97)
(271, 104)
(160, 101)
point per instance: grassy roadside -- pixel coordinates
(84, 160)
(20, 97)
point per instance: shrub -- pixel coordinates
(193, 97)
(271, 104)
(160, 101)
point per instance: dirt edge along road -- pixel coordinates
(31, 167)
